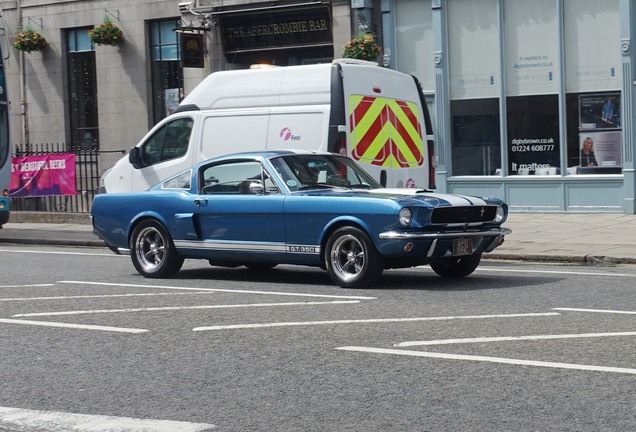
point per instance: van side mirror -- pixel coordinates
(134, 157)
(383, 178)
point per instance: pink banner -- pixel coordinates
(43, 175)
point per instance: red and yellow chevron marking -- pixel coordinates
(385, 132)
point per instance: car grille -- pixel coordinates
(465, 214)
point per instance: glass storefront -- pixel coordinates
(526, 38)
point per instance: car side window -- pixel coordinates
(181, 181)
(236, 177)
(169, 142)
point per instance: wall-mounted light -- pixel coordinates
(184, 26)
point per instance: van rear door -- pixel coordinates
(385, 123)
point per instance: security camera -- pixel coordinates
(185, 7)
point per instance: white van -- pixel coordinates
(376, 116)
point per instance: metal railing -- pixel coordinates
(86, 179)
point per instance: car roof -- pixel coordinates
(266, 154)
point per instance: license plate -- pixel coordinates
(463, 246)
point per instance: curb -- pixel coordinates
(566, 259)
(54, 242)
(50, 217)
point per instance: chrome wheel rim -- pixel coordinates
(150, 249)
(347, 257)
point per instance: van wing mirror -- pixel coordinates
(134, 157)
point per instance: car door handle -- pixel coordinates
(199, 202)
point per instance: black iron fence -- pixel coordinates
(86, 180)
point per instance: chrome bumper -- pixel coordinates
(394, 235)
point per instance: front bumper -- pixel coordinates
(396, 235)
(429, 245)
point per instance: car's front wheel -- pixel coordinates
(351, 258)
(456, 266)
(152, 251)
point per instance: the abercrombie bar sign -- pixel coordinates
(276, 28)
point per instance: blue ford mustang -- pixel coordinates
(292, 207)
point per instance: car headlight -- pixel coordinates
(405, 216)
(501, 214)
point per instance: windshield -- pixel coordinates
(301, 172)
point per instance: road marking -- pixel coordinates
(73, 326)
(175, 308)
(597, 311)
(51, 421)
(99, 296)
(61, 253)
(369, 321)
(510, 338)
(220, 290)
(28, 286)
(578, 273)
(488, 359)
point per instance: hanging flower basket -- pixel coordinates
(106, 33)
(362, 48)
(29, 41)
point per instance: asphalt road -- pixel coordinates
(85, 341)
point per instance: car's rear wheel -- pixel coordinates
(152, 251)
(351, 258)
(456, 267)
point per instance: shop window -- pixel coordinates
(167, 73)
(533, 135)
(82, 87)
(594, 133)
(593, 79)
(476, 148)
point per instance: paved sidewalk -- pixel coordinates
(549, 237)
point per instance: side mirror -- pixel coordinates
(383, 178)
(134, 157)
(256, 187)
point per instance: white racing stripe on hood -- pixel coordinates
(456, 200)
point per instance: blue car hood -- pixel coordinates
(408, 196)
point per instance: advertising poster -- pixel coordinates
(172, 100)
(533, 134)
(600, 111)
(600, 149)
(43, 175)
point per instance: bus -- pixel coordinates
(5, 151)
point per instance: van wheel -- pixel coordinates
(351, 258)
(152, 251)
(456, 267)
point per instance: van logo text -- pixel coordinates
(287, 135)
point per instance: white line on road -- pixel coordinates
(99, 296)
(61, 253)
(73, 326)
(369, 321)
(27, 286)
(51, 421)
(219, 290)
(485, 269)
(510, 338)
(597, 311)
(488, 359)
(175, 308)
